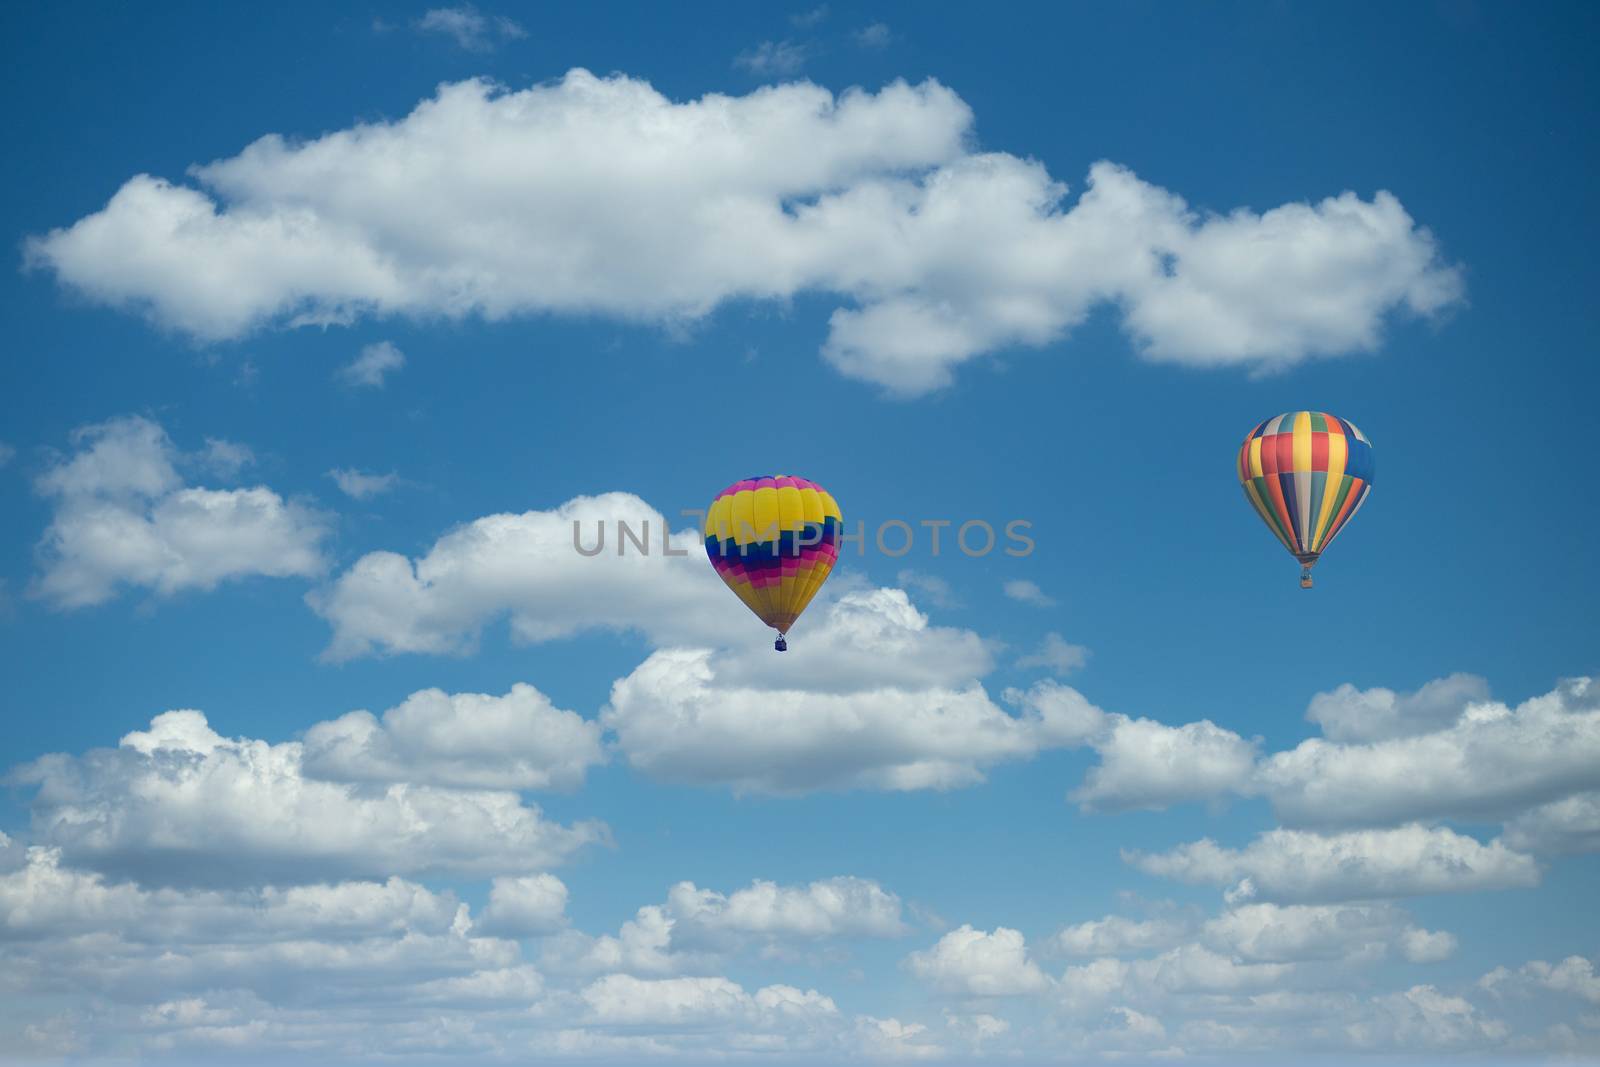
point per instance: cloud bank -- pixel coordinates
(599, 195)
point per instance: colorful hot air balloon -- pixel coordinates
(774, 541)
(1306, 473)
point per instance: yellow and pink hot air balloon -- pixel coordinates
(1306, 473)
(774, 541)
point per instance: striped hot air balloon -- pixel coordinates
(1306, 473)
(774, 542)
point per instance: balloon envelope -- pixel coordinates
(774, 541)
(1306, 473)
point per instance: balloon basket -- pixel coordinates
(781, 644)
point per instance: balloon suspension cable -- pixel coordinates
(1305, 577)
(781, 644)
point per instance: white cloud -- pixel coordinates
(469, 27)
(623, 1000)
(977, 1027)
(1568, 825)
(1067, 718)
(372, 367)
(896, 707)
(643, 946)
(7, 453)
(1183, 970)
(500, 203)
(125, 456)
(180, 804)
(1491, 762)
(1299, 932)
(1427, 946)
(891, 1039)
(1574, 976)
(1116, 935)
(1025, 592)
(1351, 714)
(832, 908)
(1056, 654)
(701, 928)
(1286, 994)
(874, 35)
(864, 639)
(45, 899)
(467, 740)
(523, 907)
(358, 486)
(1147, 764)
(968, 962)
(1197, 969)
(124, 517)
(1298, 866)
(157, 968)
(225, 458)
(773, 58)
(1423, 1017)
(527, 567)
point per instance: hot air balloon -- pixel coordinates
(774, 542)
(1306, 473)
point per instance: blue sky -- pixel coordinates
(621, 283)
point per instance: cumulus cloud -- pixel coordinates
(834, 907)
(1287, 933)
(898, 707)
(1056, 654)
(124, 517)
(467, 740)
(524, 907)
(1568, 825)
(201, 971)
(974, 963)
(1182, 971)
(1427, 946)
(684, 1011)
(1262, 977)
(204, 970)
(1358, 715)
(43, 898)
(1147, 764)
(699, 928)
(225, 458)
(1423, 1017)
(528, 567)
(181, 804)
(1298, 866)
(1574, 976)
(372, 367)
(1254, 964)
(1025, 592)
(1116, 935)
(599, 195)
(358, 486)
(470, 28)
(642, 946)
(1491, 762)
